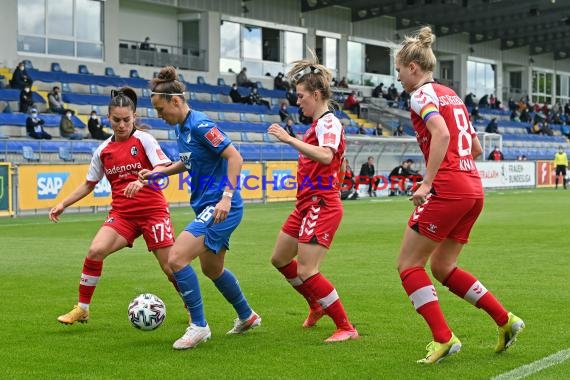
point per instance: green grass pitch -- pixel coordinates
(519, 249)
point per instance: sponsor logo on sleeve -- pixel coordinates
(215, 137)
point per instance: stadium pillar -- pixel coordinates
(8, 42)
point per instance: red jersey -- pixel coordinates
(314, 178)
(121, 162)
(457, 176)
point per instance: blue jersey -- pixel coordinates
(201, 143)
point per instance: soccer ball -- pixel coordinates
(147, 312)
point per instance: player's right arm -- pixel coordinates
(79, 193)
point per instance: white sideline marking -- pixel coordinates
(534, 367)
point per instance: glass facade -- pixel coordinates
(61, 27)
(480, 78)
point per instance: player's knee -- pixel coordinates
(212, 271)
(440, 270)
(305, 273)
(97, 253)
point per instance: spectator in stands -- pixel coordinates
(291, 96)
(243, 81)
(525, 115)
(279, 83)
(405, 97)
(361, 129)
(475, 114)
(34, 126)
(236, 96)
(546, 129)
(343, 83)
(512, 105)
(55, 103)
(514, 116)
(561, 164)
(283, 112)
(392, 92)
(348, 190)
(67, 128)
(492, 101)
(379, 131)
(521, 157)
(399, 177)
(26, 101)
(484, 101)
(145, 45)
(367, 170)
(255, 98)
(96, 128)
(288, 126)
(378, 92)
(20, 78)
(496, 155)
(565, 130)
(470, 100)
(492, 127)
(352, 103)
(303, 119)
(399, 131)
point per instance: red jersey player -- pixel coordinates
(448, 202)
(120, 158)
(309, 230)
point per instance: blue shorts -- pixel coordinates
(217, 236)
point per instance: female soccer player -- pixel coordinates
(448, 202)
(120, 158)
(309, 230)
(215, 165)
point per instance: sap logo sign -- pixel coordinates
(49, 184)
(282, 178)
(102, 189)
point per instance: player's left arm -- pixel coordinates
(235, 162)
(476, 148)
(438, 148)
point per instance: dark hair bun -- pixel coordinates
(130, 93)
(167, 74)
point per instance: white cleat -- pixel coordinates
(193, 336)
(241, 326)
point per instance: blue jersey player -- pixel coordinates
(214, 165)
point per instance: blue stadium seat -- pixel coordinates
(82, 69)
(181, 78)
(55, 67)
(200, 80)
(29, 154)
(65, 154)
(134, 73)
(221, 82)
(65, 87)
(93, 89)
(110, 72)
(259, 85)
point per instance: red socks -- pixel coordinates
(290, 273)
(422, 293)
(89, 278)
(318, 292)
(464, 285)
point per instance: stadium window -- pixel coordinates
(230, 47)
(480, 78)
(355, 64)
(61, 27)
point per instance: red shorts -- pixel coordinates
(315, 222)
(445, 218)
(156, 228)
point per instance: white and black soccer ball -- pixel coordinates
(147, 312)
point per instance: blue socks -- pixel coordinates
(228, 285)
(190, 292)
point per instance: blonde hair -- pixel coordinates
(417, 48)
(312, 75)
